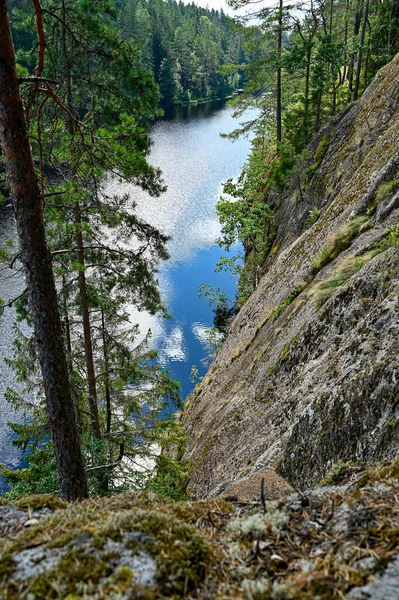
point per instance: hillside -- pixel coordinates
(307, 375)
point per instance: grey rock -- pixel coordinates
(323, 388)
(384, 587)
(36, 561)
(218, 489)
(12, 518)
(141, 563)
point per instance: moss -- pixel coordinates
(207, 549)
(321, 259)
(386, 189)
(36, 501)
(312, 218)
(339, 473)
(180, 552)
(342, 273)
(382, 471)
(322, 148)
(284, 354)
(340, 241)
(235, 354)
(289, 300)
(275, 248)
(190, 512)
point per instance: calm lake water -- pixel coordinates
(195, 162)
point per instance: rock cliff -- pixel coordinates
(308, 375)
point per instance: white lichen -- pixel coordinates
(256, 590)
(274, 519)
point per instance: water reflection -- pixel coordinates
(11, 286)
(195, 161)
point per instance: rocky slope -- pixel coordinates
(337, 541)
(308, 375)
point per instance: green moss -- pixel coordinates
(338, 473)
(391, 240)
(386, 189)
(287, 301)
(36, 501)
(341, 240)
(322, 148)
(321, 259)
(179, 550)
(342, 273)
(313, 216)
(318, 157)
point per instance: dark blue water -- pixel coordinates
(184, 342)
(195, 161)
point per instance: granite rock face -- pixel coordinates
(308, 375)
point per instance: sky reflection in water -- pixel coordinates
(195, 161)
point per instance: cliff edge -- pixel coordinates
(308, 374)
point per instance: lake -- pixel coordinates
(195, 162)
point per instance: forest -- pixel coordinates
(185, 47)
(305, 63)
(76, 102)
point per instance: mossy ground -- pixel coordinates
(300, 547)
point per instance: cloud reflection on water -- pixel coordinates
(195, 161)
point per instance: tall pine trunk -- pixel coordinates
(84, 303)
(361, 46)
(88, 344)
(278, 83)
(36, 259)
(356, 29)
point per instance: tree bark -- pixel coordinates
(106, 373)
(360, 55)
(36, 258)
(356, 29)
(84, 303)
(278, 83)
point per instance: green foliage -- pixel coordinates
(104, 254)
(224, 309)
(321, 149)
(194, 375)
(301, 63)
(188, 48)
(242, 222)
(213, 345)
(40, 477)
(287, 301)
(314, 215)
(391, 240)
(386, 189)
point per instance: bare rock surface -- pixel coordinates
(249, 488)
(308, 375)
(385, 586)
